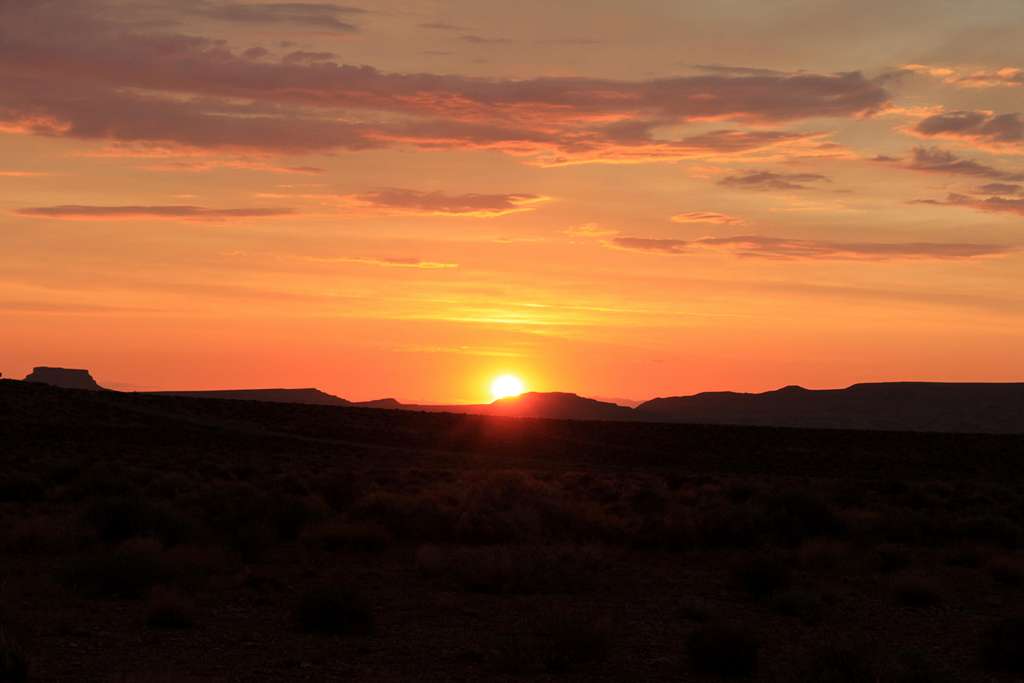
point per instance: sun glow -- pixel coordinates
(506, 386)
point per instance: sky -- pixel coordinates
(406, 198)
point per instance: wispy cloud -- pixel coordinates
(403, 201)
(933, 160)
(322, 16)
(993, 204)
(985, 130)
(71, 72)
(966, 77)
(442, 26)
(768, 180)
(23, 174)
(783, 248)
(707, 217)
(386, 262)
(188, 213)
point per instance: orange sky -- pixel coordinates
(407, 198)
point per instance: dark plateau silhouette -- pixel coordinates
(64, 377)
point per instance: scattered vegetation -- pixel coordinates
(554, 643)
(334, 610)
(722, 649)
(1001, 649)
(917, 591)
(13, 659)
(168, 609)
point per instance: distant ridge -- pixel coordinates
(994, 408)
(560, 406)
(304, 396)
(66, 378)
(386, 403)
(550, 405)
(903, 406)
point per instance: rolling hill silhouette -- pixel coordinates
(906, 406)
(559, 406)
(891, 406)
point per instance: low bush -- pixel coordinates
(517, 569)
(168, 609)
(334, 610)
(1007, 571)
(802, 604)
(720, 649)
(917, 591)
(1002, 647)
(555, 643)
(339, 535)
(840, 663)
(20, 488)
(13, 660)
(891, 558)
(697, 611)
(120, 519)
(129, 571)
(792, 516)
(763, 575)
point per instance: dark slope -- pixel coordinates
(910, 406)
(37, 419)
(302, 396)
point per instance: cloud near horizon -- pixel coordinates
(768, 180)
(707, 217)
(782, 248)
(385, 262)
(402, 201)
(187, 213)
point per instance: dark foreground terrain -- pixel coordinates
(163, 539)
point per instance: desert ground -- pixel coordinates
(162, 539)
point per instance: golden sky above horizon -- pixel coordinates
(408, 198)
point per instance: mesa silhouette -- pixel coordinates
(996, 408)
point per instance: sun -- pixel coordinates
(506, 386)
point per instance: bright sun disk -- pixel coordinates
(506, 386)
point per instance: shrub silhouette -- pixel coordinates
(763, 576)
(802, 604)
(20, 488)
(724, 650)
(1007, 571)
(126, 572)
(167, 609)
(917, 591)
(792, 516)
(840, 663)
(554, 643)
(514, 569)
(1002, 647)
(334, 610)
(121, 519)
(13, 660)
(340, 535)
